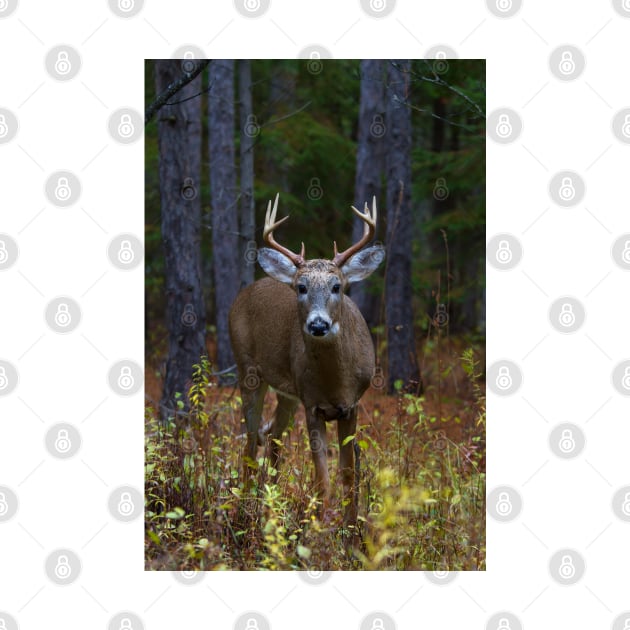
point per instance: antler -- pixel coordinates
(369, 229)
(270, 225)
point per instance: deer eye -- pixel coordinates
(336, 288)
(301, 289)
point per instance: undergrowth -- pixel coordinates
(421, 493)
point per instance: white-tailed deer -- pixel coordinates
(298, 333)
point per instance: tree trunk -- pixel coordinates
(249, 131)
(370, 164)
(179, 138)
(401, 348)
(225, 245)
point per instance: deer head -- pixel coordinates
(320, 284)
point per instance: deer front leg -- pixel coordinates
(345, 428)
(316, 426)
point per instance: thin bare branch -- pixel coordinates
(173, 88)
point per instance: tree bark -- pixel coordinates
(370, 165)
(225, 245)
(179, 139)
(249, 132)
(401, 349)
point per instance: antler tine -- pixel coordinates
(369, 228)
(270, 225)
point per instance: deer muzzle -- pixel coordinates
(318, 326)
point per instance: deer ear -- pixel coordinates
(363, 263)
(276, 265)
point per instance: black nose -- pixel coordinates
(318, 327)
